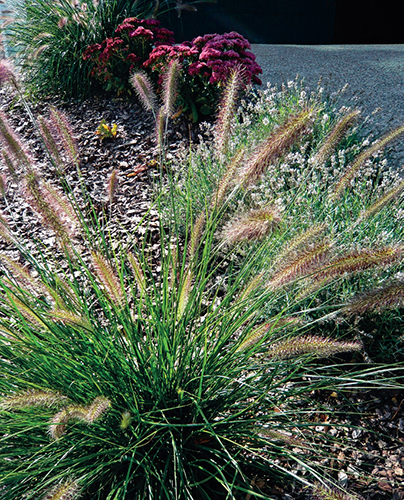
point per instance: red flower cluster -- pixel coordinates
(207, 62)
(114, 58)
(209, 57)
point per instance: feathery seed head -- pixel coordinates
(252, 226)
(185, 292)
(23, 275)
(13, 144)
(305, 262)
(276, 145)
(196, 234)
(3, 185)
(251, 286)
(310, 344)
(160, 124)
(335, 136)
(382, 202)
(360, 160)
(10, 163)
(294, 247)
(50, 142)
(389, 296)
(227, 179)
(321, 492)
(62, 133)
(58, 423)
(112, 185)
(70, 318)
(227, 108)
(126, 420)
(97, 408)
(360, 260)
(4, 229)
(258, 333)
(7, 74)
(34, 397)
(44, 201)
(107, 277)
(144, 89)
(69, 490)
(275, 435)
(170, 85)
(137, 271)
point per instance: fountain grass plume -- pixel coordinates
(8, 74)
(45, 204)
(260, 332)
(308, 260)
(226, 110)
(253, 225)
(324, 492)
(312, 345)
(351, 171)
(112, 185)
(11, 164)
(33, 397)
(22, 275)
(144, 90)
(388, 296)
(62, 130)
(13, 144)
(360, 260)
(68, 490)
(45, 127)
(170, 87)
(277, 144)
(108, 278)
(138, 272)
(335, 136)
(382, 202)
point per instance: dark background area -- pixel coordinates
(301, 22)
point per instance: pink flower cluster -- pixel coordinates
(210, 57)
(114, 58)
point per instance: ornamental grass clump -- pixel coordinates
(48, 40)
(182, 373)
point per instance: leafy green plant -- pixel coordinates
(183, 373)
(105, 131)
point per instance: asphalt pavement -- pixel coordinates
(374, 75)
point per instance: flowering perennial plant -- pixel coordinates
(207, 62)
(117, 56)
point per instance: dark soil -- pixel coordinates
(374, 441)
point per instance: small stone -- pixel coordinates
(342, 478)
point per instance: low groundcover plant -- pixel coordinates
(132, 374)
